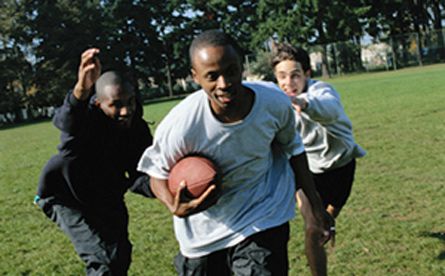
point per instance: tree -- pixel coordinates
(314, 22)
(16, 75)
(59, 32)
(237, 18)
(437, 8)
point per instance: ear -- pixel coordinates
(308, 73)
(194, 75)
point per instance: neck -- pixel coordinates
(239, 110)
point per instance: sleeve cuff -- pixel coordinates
(304, 97)
(73, 101)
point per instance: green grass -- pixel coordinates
(393, 223)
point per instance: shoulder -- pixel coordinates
(268, 91)
(189, 105)
(317, 86)
(262, 86)
(185, 112)
(271, 101)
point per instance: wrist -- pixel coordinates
(304, 104)
(80, 93)
(301, 102)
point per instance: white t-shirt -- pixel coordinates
(258, 185)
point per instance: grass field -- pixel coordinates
(393, 223)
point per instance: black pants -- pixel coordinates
(264, 253)
(335, 186)
(100, 239)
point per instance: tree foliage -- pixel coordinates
(41, 40)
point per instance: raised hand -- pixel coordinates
(89, 72)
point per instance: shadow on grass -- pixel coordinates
(25, 123)
(437, 235)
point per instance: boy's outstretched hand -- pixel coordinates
(89, 72)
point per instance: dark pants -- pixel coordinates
(335, 186)
(264, 253)
(100, 239)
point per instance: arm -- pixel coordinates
(174, 204)
(73, 119)
(141, 186)
(71, 116)
(302, 174)
(89, 72)
(321, 104)
(139, 182)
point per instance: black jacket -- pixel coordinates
(96, 163)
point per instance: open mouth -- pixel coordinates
(224, 98)
(123, 121)
(291, 93)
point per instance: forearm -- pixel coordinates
(81, 93)
(159, 187)
(322, 220)
(323, 108)
(304, 177)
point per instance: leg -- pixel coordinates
(264, 253)
(113, 230)
(335, 187)
(315, 252)
(103, 252)
(333, 211)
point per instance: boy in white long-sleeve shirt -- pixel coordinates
(324, 127)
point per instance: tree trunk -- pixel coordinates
(438, 27)
(169, 77)
(324, 63)
(394, 54)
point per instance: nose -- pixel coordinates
(287, 80)
(123, 111)
(222, 82)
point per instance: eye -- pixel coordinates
(212, 76)
(117, 104)
(296, 75)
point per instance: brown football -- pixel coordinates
(197, 171)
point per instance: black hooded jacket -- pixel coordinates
(96, 163)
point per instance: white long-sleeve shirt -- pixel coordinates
(326, 129)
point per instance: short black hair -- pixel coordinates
(285, 51)
(111, 78)
(215, 38)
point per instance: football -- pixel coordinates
(198, 172)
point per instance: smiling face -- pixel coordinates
(291, 77)
(118, 102)
(218, 70)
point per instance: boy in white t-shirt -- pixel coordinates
(249, 132)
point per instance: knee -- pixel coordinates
(113, 261)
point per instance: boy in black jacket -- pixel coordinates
(82, 188)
